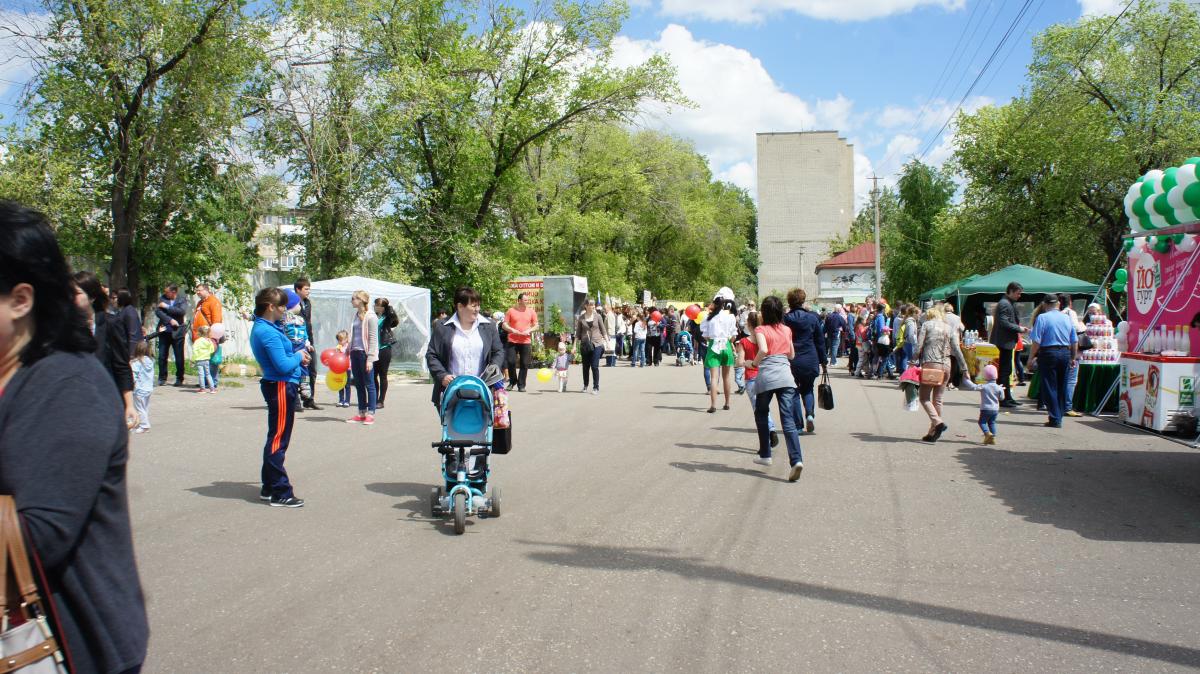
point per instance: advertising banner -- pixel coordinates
(532, 287)
(1151, 277)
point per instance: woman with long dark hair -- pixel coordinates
(112, 347)
(68, 479)
(388, 320)
(130, 318)
(772, 359)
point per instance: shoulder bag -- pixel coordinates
(825, 392)
(29, 647)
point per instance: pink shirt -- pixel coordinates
(779, 338)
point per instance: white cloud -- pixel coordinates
(18, 50)
(1100, 7)
(735, 98)
(755, 11)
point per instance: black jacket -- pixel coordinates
(1006, 326)
(437, 358)
(131, 321)
(176, 309)
(70, 490)
(112, 348)
(808, 340)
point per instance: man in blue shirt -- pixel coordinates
(281, 367)
(1054, 350)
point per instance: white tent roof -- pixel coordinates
(374, 287)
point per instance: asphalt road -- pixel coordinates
(638, 536)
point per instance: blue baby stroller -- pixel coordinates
(683, 348)
(467, 442)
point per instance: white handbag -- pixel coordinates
(28, 648)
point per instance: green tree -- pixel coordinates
(908, 264)
(144, 95)
(1046, 174)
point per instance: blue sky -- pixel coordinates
(867, 68)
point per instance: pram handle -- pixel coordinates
(477, 448)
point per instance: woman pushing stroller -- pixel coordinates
(464, 344)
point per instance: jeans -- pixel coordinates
(831, 344)
(881, 359)
(344, 394)
(141, 403)
(591, 365)
(852, 356)
(214, 371)
(754, 406)
(364, 383)
(519, 357)
(620, 348)
(654, 350)
(987, 420)
(638, 357)
(1053, 362)
(902, 358)
(167, 343)
(805, 403)
(739, 377)
(701, 353)
(1072, 378)
(281, 413)
(204, 372)
(762, 413)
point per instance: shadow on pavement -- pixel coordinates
(306, 417)
(238, 491)
(682, 409)
(1102, 495)
(607, 558)
(416, 504)
(249, 408)
(699, 466)
(915, 439)
(719, 448)
(736, 430)
(673, 393)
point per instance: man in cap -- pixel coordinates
(1055, 349)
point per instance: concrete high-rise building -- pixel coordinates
(805, 198)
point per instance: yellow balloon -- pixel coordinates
(336, 381)
(545, 374)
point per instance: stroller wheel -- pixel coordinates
(495, 509)
(435, 498)
(460, 513)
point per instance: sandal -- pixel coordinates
(726, 406)
(712, 410)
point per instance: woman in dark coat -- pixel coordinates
(130, 318)
(63, 450)
(112, 346)
(809, 361)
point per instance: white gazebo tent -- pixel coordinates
(332, 311)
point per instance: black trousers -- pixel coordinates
(1006, 368)
(520, 356)
(167, 342)
(380, 370)
(654, 350)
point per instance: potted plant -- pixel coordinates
(555, 330)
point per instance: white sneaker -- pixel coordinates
(761, 461)
(808, 424)
(795, 474)
(584, 389)
(595, 391)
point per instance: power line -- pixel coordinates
(1000, 45)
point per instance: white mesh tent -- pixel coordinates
(331, 312)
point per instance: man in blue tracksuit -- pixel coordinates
(281, 367)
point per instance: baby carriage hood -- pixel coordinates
(466, 410)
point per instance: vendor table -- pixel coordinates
(1094, 381)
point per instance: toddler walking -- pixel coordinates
(143, 384)
(297, 333)
(343, 346)
(202, 351)
(990, 395)
(562, 367)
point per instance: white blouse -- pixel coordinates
(466, 350)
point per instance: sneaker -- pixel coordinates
(264, 496)
(311, 404)
(1073, 413)
(584, 389)
(368, 420)
(987, 438)
(762, 461)
(141, 430)
(357, 419)
(595, 391)
(808, 424)
(212, 390)
(289, 502)
(795, 472)
(774, 439)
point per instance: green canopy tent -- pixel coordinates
(970, 297)
(942, 292)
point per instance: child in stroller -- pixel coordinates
(683, 348)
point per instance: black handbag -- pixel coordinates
(825, 393)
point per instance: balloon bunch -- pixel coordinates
(1118, 285)
(1162, 199)
(338, 363)
(693, 311)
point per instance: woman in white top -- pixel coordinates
(719, 330)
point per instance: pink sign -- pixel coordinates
(1152, 277)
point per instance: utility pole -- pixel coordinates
(875, 200)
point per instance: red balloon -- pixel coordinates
(338, 362)
(692, 311)
(656, 315)
(326, 355)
